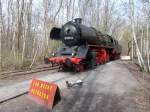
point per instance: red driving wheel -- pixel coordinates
(79, 67)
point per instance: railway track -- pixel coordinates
(26, 92)
(23, 72)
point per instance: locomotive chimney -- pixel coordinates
(78, 20)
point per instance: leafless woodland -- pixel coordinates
(25, 26)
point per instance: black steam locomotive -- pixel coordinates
(84, 47)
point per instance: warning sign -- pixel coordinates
(44, 93)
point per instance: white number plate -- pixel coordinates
(68, 38)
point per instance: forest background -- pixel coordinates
(25, 27)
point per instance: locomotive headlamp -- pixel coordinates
(72, 54)
(53, 54)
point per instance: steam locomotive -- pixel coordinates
(83, 47)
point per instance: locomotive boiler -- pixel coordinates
(83, 47)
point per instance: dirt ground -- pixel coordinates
(142, 94)
(112, 87)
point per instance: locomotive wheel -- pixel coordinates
(108, 58)
(62, 67)
(46, 60)
(79, 67)
(52, 64)
(104, 56)
(91, 60)
(114, 55)
(68, 62)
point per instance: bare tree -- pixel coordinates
(0, 35)
(25, 27)
(57, 12)
(140, 58)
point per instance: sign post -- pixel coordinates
(47, 94)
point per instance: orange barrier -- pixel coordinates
(47, 94)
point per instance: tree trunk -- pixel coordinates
(140, 59)
(1, 35)
(147, 50)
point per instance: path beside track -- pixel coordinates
(110, 89)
